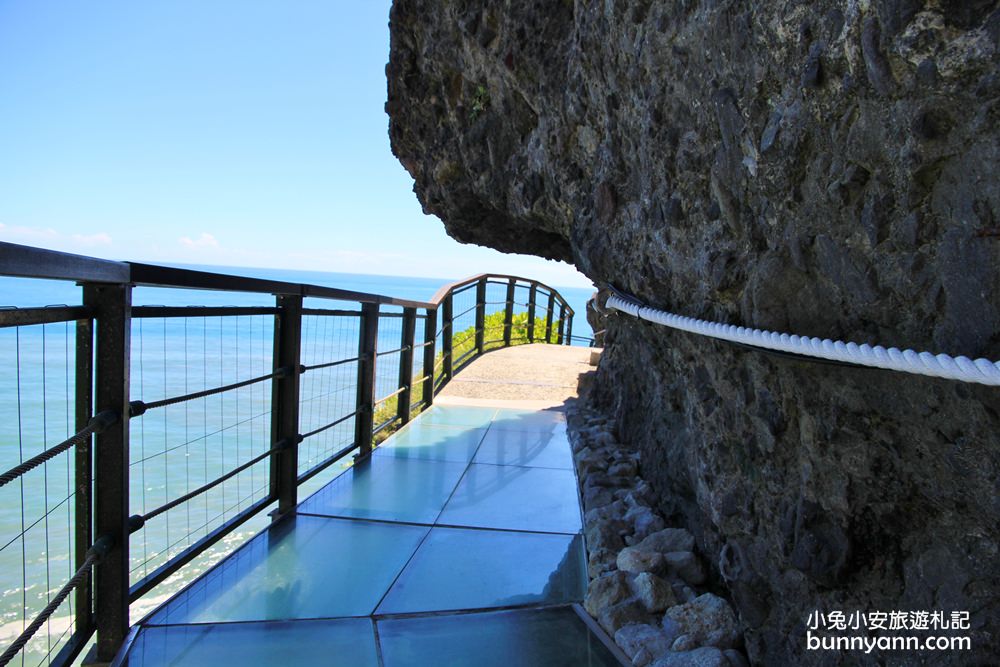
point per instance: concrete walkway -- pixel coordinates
(527, 376)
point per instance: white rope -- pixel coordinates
(982, 371)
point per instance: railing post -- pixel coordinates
(532, 298)
(113, 306)
(285, 402)
(447, 323)
(569, 330)
(430, 331)
(83, 472)
(562, 323)
(508, 315)
(365, 405)
(548, 318)
(480, 316)
(406, 364)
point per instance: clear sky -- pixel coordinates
(232, 132)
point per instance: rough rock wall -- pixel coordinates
(825, 168)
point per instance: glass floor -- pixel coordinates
(457, 543)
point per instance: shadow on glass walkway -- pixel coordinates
(457, 543)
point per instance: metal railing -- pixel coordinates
(195, 419)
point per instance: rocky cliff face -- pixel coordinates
(824, 168)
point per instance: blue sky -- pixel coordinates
(232, 132)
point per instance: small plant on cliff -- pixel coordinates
(480, 101)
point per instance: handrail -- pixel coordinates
(100, 445)
(150, 275)
(30, 262)
(443, 292)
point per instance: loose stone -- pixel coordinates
(708, 620)
(654, 593)
(705, 656)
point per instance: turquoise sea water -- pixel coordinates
(178, 448)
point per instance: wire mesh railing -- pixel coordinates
(136, 440)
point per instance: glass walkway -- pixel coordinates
(457, 543)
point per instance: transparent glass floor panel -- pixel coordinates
(347, 642)
(520, 448)
(474, 569)
(515, 498)
(436, 442)
(458, 415)
(544, 421)
(389, 489)
(303, 567)
(526, 638)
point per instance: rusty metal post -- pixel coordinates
(285, 402)
(548, 318)
(480, 316)
(447, 349)
(508, 315)
(532, 298)
(562, 323)
(406, 364)
(569, 331)
(113, 307)
(430, 331)
(83, 472)
(365, 404)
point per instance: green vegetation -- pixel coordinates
(480, 101)
(463, 342)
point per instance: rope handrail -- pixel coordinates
(980, 371)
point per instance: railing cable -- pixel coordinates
(136, 521)
(94, 556)
(328, 426)
(98, 423)
(137, 408)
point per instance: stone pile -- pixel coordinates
(646, 580)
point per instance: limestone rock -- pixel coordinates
(668, 540)
(600, 561)
(643, 639)
(654, 593)
(634, 559)
(644, 522)
(605, 534)
(623, 613)
(708, 620)
(705, 656)
(605, 591)
(588, 461)
(685, 565)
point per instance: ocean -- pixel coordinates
(180, 447)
